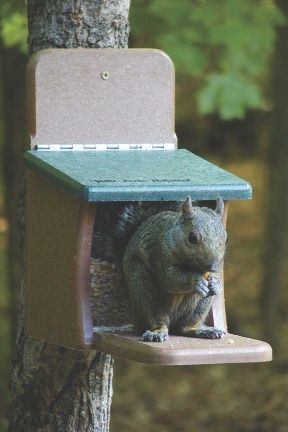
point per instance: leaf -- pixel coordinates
(14, 31)
(229, 95)
(224, 45)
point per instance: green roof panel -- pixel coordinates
(136, 175)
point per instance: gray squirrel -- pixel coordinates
(171, 261)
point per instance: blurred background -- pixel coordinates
(231, 59)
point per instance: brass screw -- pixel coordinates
(105, 75)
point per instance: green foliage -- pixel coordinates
(14, 31)
(225, 45)
(230, 95)
(13, 24)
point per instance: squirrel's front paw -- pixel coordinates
(214, 284)
(202, 286)
(154, 336)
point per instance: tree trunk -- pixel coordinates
(276, 233)
(13, 88)
(55, 389)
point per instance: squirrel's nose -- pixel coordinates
(213, 266)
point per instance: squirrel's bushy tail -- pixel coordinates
(115, 224)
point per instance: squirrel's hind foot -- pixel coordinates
(204, 333)
(154, 336)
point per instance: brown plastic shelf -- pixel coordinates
(184, 351)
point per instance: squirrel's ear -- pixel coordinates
(186, 207)
(219, 207)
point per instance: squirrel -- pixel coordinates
(171, 261)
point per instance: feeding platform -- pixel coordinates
(179, 350)
(101, 124)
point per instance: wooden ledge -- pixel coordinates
(184, 351)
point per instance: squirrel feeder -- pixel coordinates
(101, 124)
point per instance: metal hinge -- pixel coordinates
(105, 147)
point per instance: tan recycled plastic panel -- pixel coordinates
(70, 103)
(58, 247)
(185, 351)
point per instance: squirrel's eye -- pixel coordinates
(193, 238)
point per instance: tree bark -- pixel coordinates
(55, 389)
(13, 89)
(276, 232)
